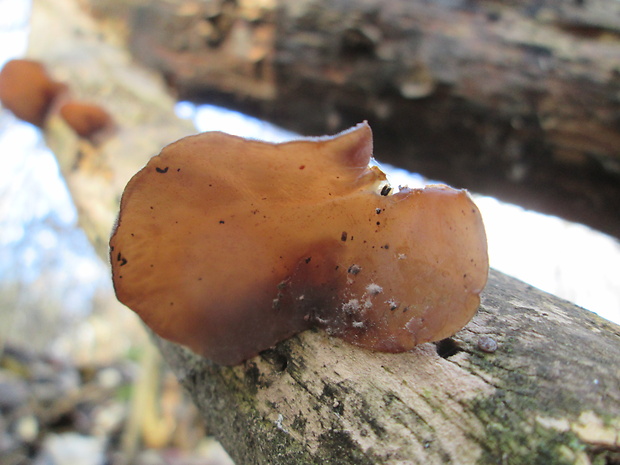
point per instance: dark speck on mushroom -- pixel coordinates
(354, 269)
(121, 259)
(161, 170)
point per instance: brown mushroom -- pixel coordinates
(28, 91)
(86, 119)
(229, 245)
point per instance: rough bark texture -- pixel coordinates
(549, 393)
(540, 398)
(517, 100)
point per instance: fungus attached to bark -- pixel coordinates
(229, 245)
(86, 119)
(28, 91)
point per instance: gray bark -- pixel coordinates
(548, 393)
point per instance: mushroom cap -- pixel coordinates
(86, 119)
(229, 245)
(27, 90)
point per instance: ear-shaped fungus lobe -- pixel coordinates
(229, 245)
(27, 90)
(86, 119)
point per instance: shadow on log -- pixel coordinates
(518, 101)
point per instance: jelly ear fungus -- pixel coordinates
(229, 245)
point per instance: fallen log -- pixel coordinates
(515, 386)
(532, 379)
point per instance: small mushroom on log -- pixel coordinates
(28, 91)
(86, 119)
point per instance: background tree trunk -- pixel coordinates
(516, 100)
(532, 379)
